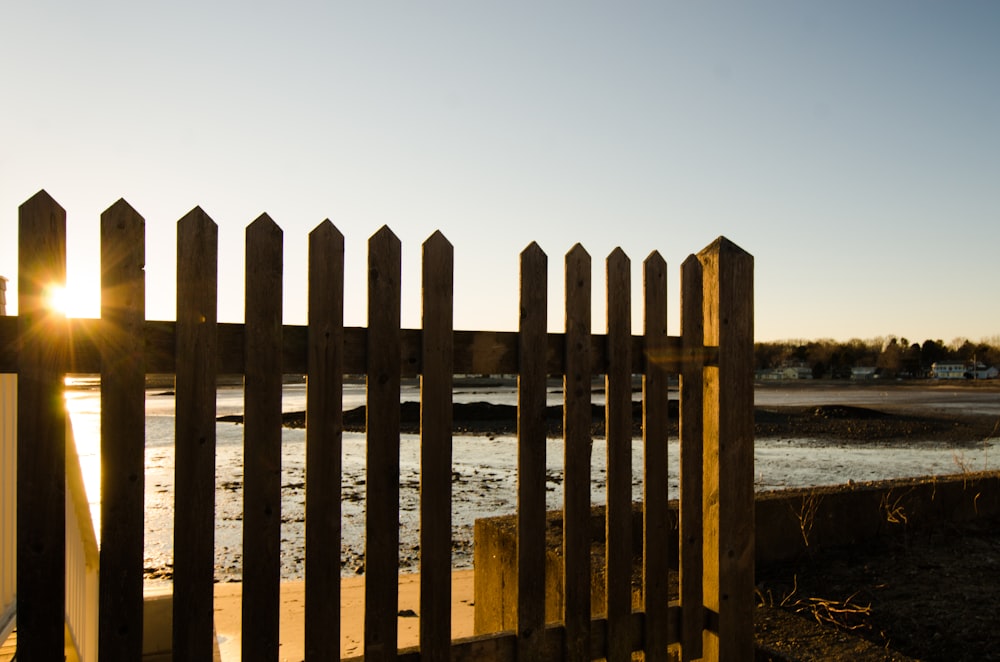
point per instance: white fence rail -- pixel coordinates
(82, 560)
(8, 504)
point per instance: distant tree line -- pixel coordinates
(893, 356)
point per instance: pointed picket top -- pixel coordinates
(42, 221)
(618, 263)
(41, 250)
(383, 259)
(578, 252)
(577, 265)
(438, 259)
(41, 201)
(196, 219)
(437, 241)
(383, 235)
(723, 246)
(264, 249)
(263, 225)
(654, 285)
(655, 260)
(617, 255)
(327, 231)
(122, 211)
(533, 250)
(123, 257)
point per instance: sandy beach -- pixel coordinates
(292, 628)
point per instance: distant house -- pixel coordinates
(962, 370)
(948, 370)
(797, 372)
(786, 371)
(863, 373)
(982, 372)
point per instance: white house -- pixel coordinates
(962, 370)
(864, 372)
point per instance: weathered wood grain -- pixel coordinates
(728, 489)
(531, 455)
(194, 483)
(324, 442)
(618, 414)
(382, 515)
(262, 442)
(437, 359)
(41, 431)
(655, 512)
(123, 431)
(576, 456)
(691, 461)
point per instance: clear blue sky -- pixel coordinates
(852, 147)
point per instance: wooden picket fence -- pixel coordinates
(712, 356)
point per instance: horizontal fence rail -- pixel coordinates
(712, 358)
(475, 352)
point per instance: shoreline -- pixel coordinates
(852, 423)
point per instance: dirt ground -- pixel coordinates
(927, 594)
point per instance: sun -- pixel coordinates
(71, 302)
(57, 299)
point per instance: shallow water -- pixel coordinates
(484, 468)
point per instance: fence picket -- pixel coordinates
(324, 442)
(618, 429)
(691, 460)
(194, 483)
(531, 455)
(262, 442)
(123, 431)
(382, 473)
(713, 356)
(576, 457)
(728, 488)
(41, 432)
(655, 555)
(436, 449)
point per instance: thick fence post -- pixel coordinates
(41, 432)
(262, 442)
(728, 482)
(531, 455)
(123, 431)
(324, 441)
(194, 483)
(382, 463)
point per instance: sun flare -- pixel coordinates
(57, 298)
(71, 302)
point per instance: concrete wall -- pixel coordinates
(789, 524)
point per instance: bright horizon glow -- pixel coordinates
(853, 148)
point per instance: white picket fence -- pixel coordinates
(82, 561)
(8, 504)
